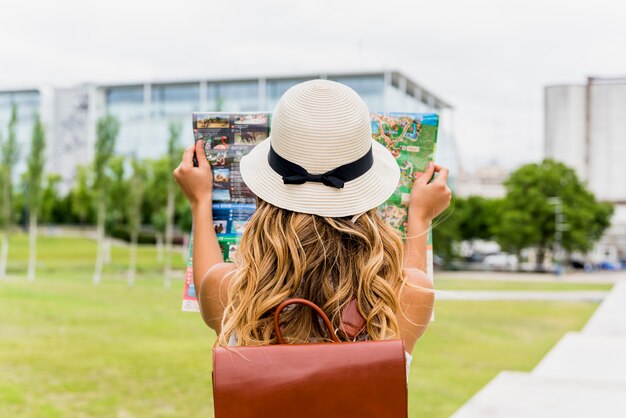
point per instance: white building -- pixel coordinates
(585, 127)
(486, 181)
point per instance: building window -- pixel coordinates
(276, 88)
(395, 80)
(234, 96)
(125, 103)
(27, 103)
(370, 88)
(118, 95)
(175, 99)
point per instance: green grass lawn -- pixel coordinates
(61, 255)
(69, 349)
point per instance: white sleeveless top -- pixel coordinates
(233, 342)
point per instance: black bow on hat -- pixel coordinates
(327, 178)
(293, 173)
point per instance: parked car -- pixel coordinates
(577, 264)
(500, 261)
(607, 265)
(438, 261)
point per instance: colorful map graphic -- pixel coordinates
(410, 137)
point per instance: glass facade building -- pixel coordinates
(27, 104)
(145, 110)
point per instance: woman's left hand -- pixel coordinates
(195, 182)
(428, 200)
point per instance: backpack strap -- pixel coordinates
(352, 322)
(320, 312)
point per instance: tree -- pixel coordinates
(527, 216)
(118, 192)
(477, 217)
(4, 241)
(138, 182)
(10, 153)
(184, 221)
(173, 156)
(50, 199)
(466, 219)
(107, 129)
(82, 195)
(155, 198)
(117, 196)
(34, 175)
(445, 232)
(516, 229)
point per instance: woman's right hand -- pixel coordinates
(429, 199)
(195, 182)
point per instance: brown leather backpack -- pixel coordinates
(352, 379)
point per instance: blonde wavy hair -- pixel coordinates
(329, 261)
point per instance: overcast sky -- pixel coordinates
(490, 59)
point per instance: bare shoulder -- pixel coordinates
(417, 279)
(219, 270)
(416, 306)
(213, 293)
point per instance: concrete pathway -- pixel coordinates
(609, 320)
(522, 395)
(505, 276)
(584, 375)
(522, 295)
(588, 357)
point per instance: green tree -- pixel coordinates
(34, 176)
(50, 199)
(118, 191)
(81, 196)
(107, 129)
(477, 217)
(527, 216)
(466, 219)
(4, 241)
(155, 199)
(515, 229)
(183, 214)
(219, 104)
(138, 183)
(445, 232)
(173, 156)
(9, 154)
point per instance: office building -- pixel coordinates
(585, 128)
(146, 109)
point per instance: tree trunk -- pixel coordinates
(159, 246)
(4, 254)
(6, 214)
(169, 230)
(97, 274)
(32, 246)
(541, 255)
(132, 264)
(185, 248)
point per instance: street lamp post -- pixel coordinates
(559, 227)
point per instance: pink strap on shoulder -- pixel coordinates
(352, 322)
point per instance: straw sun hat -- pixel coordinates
(320, 157)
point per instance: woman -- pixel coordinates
(316, 233)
